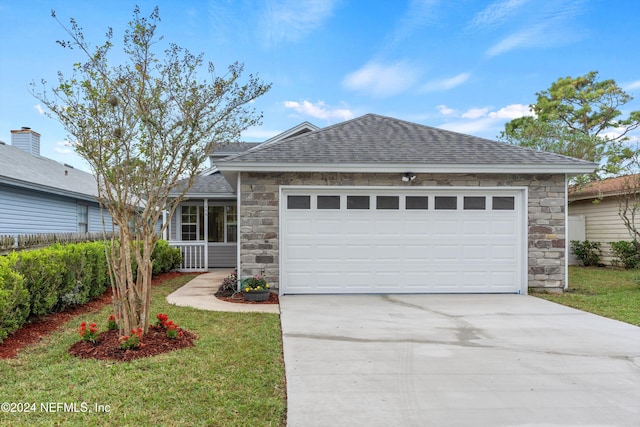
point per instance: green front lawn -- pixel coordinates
(605, 291)
(233, 376)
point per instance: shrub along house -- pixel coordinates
(380, 205)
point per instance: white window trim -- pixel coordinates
(205, 206)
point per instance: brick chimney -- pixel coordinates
(26, 140)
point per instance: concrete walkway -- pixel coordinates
(199, 293)
(456, 360)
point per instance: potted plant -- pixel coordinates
(255, 288)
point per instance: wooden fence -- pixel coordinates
(20, 242)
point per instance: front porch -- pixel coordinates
(205, 230)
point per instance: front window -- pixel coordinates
(221, 224)
(232, 223)
(189, 221)
(83, 218)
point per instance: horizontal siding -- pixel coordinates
(95, 219)
(223, 255)
(25, 212)
(602, 223)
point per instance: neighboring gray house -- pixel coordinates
(40, 195)
(380, 205)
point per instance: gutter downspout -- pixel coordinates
(238, 234)
(566, 232)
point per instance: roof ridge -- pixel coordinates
(267, 143)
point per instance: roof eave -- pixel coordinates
(205, 195)
(49, 190)
(406, 167)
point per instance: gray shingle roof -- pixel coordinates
(22, 169)
(207, 184)
(373, 139)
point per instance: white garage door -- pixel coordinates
(383, 240)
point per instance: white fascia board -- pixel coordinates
(403, 168)
(287, 133)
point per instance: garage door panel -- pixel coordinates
(299, 227)
(300, 252)
(326, 252)
(503, 228)
(444, 253)
(417, 227)
(502, 278)
(400, 251)
(475, 228)
(503, 253)
(475, 252)
(445, 228)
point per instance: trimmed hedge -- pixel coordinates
(62, 276)
(55, 278)
(165, 258)
(14, 300)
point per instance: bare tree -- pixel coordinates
(143, 126)
(628, 198)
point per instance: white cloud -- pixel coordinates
(63, 147)
(319, 110)
(418, 14)
(446, 111)
(472, 127)
(541, 24)
(528, 37)
(485, 122)
(512, 111)
(496, 13)
(475, 113)
(382, 80)
(39, 108)
(291, 20)
(632, 85)
(446, 84)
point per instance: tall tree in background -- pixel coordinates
(143, 126)
(580, 117)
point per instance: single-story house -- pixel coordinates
(41, 195)
(594, 211)
(380, 205)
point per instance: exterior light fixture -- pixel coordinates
(408, 177)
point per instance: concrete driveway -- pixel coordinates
(456, 360)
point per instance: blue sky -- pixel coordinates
(467, 66)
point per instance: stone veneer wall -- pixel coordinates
(259, 234)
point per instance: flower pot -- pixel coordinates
(258, 296)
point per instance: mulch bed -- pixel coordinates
(226, 296)
(38, 328)
(107, 346)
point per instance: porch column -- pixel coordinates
(165, 233)
(206, 234)
(239, 225)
